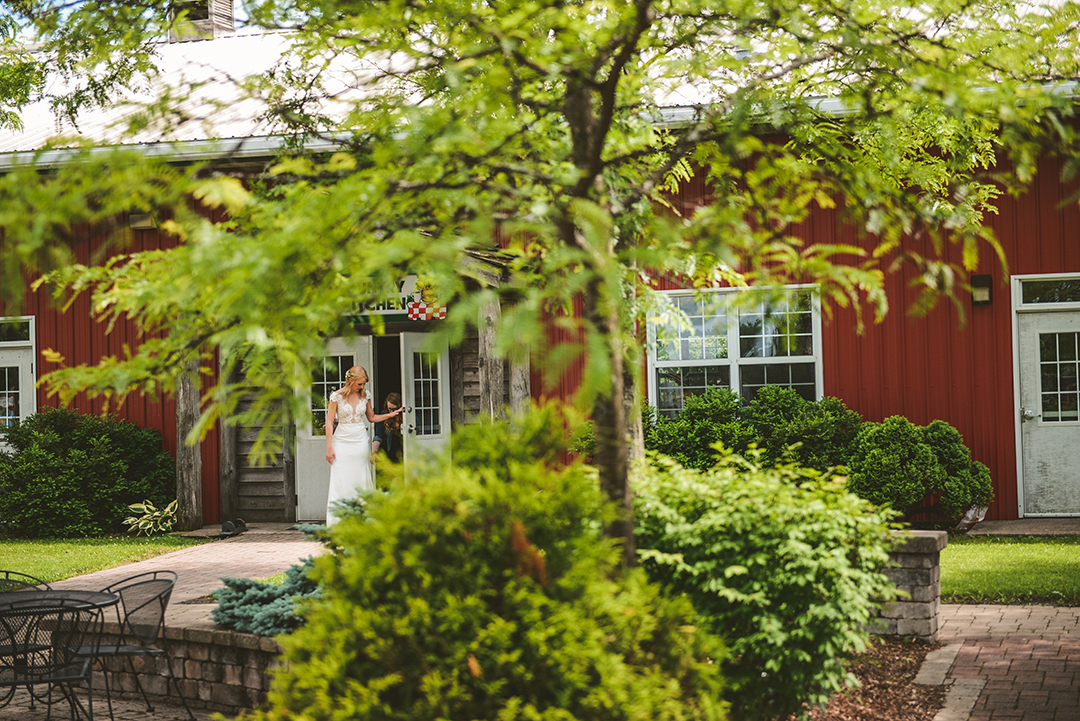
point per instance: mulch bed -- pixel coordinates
(888, 691)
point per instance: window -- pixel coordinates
(724, 340)
(17, 381)
(326, 380)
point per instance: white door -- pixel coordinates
(312, 470)
(1049, 362)
(425, 386)
(18, 398)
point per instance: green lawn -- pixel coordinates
(55, 560)
(1016, 569)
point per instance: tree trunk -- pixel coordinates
(189, 510)
(610, 429)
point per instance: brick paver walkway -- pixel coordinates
(1022, 661)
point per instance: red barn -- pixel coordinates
(1008, 379)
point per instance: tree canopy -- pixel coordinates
(422, 132)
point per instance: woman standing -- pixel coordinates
(388, 433)
(348, 448)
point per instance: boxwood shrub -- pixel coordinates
(485, 591)
(68, 475)
(781, 562)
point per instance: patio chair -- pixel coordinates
(38, 645)
(15, 581)
(141, 617)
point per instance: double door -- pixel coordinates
(418, 372)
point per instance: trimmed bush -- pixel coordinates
(782, 562)
(777, 419)
(891, 465)
(901, 465)
(709, 418)
(69, 475)
(485, 591)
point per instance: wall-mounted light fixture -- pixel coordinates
(141, 221)
(981, 289)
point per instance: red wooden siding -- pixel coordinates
(930, 368)
(81, 340)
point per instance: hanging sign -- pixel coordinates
(415, 301)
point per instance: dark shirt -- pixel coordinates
(389, 443)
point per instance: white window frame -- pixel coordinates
(28, 405)
(734, 362)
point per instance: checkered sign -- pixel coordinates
(419, 310)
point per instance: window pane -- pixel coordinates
(14, 331)
(324, 381)
(9, 395)
(1051, 291)
(674, 387)
(1059, 375)
(703, 336)
(800, 377)
(783, 329)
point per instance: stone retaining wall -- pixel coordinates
(218, 670)
(916, 570)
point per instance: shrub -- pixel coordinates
(782, 563)
(777, 419)
(709, 418)
(70, 475)
(901, 465)
(891, 465)
(265, 609)
(820, 431)
(484, 592)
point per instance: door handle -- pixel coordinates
(1026, 415)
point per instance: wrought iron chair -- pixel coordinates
(38, 647)
(141, 617)
(15, 581)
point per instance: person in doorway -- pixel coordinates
(348, 448)
(388, 433)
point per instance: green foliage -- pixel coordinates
(485, 591)
(542, 119)
(153, 520)
(892, 466)
(898, 464)
(822, 429)
(777, 419)
(69, 475)
(783, 563)
(265, 608)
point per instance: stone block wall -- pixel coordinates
(218, 670)
(915, 568)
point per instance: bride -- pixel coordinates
(348, 448)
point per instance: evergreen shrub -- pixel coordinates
(265, 609)
(485, 591)
(68, 475)
(777, 419)
(781, 562)
(899, 464)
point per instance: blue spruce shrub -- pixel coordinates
(265, 609)
(486, 591)
(782, 563)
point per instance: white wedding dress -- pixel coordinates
(350, 472)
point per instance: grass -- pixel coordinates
(57, 559)
(1011, 569)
